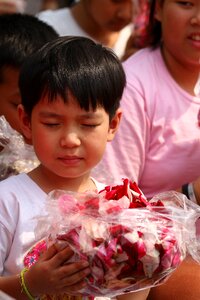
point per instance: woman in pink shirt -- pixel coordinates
(158, 142)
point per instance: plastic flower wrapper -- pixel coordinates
(16, 156)
(129, 242)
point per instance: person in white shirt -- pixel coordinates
(108, 22)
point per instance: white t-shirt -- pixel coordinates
(64, 23)
(158, 141)
(21, 202)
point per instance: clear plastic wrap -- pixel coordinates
(130, 243)
(16, 156)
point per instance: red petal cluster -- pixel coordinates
(129, 245)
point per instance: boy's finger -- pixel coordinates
(58, 257)
(53, 250)
(76, 289)
(49, 253)
(75, 273)
(74, 268)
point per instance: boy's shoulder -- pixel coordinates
(20, 190)
(13, 183)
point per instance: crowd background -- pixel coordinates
(30, 6)
(184, 282)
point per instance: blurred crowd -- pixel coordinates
(157, 143)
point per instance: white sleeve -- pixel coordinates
(8, 214)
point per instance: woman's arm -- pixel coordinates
(140, 295)
(182, 284)
(192, 192)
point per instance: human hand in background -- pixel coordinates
(191, 190)
(196, 186)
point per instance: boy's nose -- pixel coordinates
(70, 140)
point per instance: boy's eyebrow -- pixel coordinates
(48, 114)
(90, 115)
(87, 115)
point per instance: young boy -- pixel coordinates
(70, 114)
(20, 36)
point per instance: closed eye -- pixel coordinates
(185, 3)
(51, 124)
(90, 125)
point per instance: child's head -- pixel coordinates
(90, 72)
(20, 36)
(71, 91)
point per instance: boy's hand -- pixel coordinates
(52, 275)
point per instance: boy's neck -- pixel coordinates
(48, 181)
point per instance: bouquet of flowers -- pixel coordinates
(129, 242)
(16, 156)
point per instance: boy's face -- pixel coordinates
(68, 140)
(10, 97)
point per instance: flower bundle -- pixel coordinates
(16, 156)
(129, 242)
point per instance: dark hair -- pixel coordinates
(20, 36)
(154, 29)
(66, 3)
(90, 71)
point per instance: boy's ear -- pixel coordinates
(158, 11)
(25, 123)
(114, 124)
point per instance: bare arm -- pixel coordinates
(141, 295)
(196, 188)
(11, 286)
(50, 275)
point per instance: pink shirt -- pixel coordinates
(158, 142)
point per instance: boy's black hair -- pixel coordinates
(154, 27)
(20, 36)
(90, 71)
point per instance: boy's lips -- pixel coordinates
(70, 160)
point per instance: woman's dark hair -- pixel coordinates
(91, 72)
(154, 30)
(20, 36)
